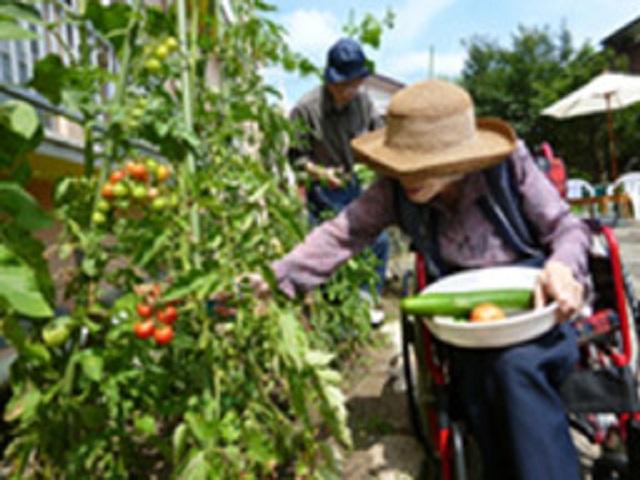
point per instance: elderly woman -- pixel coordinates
(440, 168)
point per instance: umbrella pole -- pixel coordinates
(612, 147)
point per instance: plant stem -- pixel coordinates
(187, 104)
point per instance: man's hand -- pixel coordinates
(558, 283)
(330, 175)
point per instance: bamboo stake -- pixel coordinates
(187, 104)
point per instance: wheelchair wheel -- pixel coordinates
(412, 374)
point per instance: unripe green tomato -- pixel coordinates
(55, 335)
(98, 218)
(171, 43)
(159, 203)
(139, 192)
(161, 52)
(103, 205)
(153, 65)
(151, 165)
(173, 200)
(120, 190)
(137, 112)
(123, 204)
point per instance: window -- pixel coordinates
(22, 61)
(34, 44)
(6, 74)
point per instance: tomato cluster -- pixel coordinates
(158, 53)
(142, 181)
(148, 309)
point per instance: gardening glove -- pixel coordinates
(556, 282)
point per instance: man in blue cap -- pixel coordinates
(332, 115)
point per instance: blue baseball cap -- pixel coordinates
(345, 61)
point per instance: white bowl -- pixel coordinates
(501, 333)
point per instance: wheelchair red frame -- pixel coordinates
(444, 438)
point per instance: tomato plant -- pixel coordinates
(190, 193)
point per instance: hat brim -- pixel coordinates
(493, 142)
(332, 75)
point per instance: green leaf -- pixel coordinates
(22, 404)
(22, 207)
(145, 424)
(336, 402)
(20, 118)
(199, 427)
(92, 365)
(158, 244)
(36, 352)
(201, 285)
(49, 77)
(317, 358)
(109, 19)
(179, 441)
(292, 340)
(19, 288)
(19, 11)
(12, 31)
(197, 469)
(328, 375)
(89, 267)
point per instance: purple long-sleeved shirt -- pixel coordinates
(467, 239)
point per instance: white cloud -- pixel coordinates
(311, 32)
(449, 64)
(414, 65)
(413, 17)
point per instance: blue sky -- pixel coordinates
(314, 25)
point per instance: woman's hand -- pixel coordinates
(258, 284)
(556, 282)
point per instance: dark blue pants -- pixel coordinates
(509, 397)
(322, 199)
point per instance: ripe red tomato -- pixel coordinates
(163, 335)
(107, 191)
(168, 315)
(486, 312)
(144, 310)
(144, 329)
(140, 172)
(136, 170)
(116, 176)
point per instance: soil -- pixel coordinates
(384, 445)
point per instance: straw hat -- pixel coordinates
(431, 127)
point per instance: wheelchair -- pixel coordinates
(601, 395)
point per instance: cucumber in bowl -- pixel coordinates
(459, 304)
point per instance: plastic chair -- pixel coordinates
(631, 185)
(577, 187)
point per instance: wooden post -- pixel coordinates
(612, 148)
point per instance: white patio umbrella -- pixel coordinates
(604, 93)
